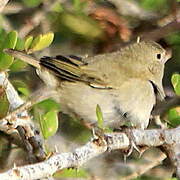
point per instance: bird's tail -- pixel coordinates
(23, 56)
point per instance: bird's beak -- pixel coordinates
(161, 91)
(168, 55)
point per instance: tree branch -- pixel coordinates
(97, 146)
(20, 122)
(155, 162)
(165, 105)
(3, 4)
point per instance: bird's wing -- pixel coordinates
(70, 68)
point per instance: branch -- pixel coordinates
(132, 8)
(165, 105)
(20, 121)
(33, 22)
(36, 19)
(97, 146)
(173, 152)
(3, 4)
(14, 8)
(147, 167)
(161, 32)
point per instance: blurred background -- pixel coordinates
(90, 27)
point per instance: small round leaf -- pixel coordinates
(41, 42)
(28, 42)
(49, 124)
(9, 42)
(176, 83)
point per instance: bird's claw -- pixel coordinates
(132, 147)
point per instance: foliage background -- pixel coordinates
(84, 27)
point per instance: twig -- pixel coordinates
(12, 95)
(36, 97)
(132, 8)
(13, 8)
(15, 101)
(146, 168)
(19, 120)
(79, 156)
(36, 19)
(173, 152)
(163, 106)
(31, 24)
(3, 4)
(162, 31)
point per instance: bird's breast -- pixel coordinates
(132, 102)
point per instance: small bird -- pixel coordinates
(125, 83)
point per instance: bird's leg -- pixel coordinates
(132, 146)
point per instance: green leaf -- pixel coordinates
(174, 116)
(2, 37)
(9, 42)
(100, 120)
(4, 103)
(173, 38)
(19, 44)
(32, 3)
(99, 116)
(41, 42)
(49, 120)
(71, 173)
(28, 42)
(49, 124)
(18, 64)
(48, 105)
(155, 5)
(35, 42)
(81, 25)
(79, 5)
(24, 91)
(175, 79)
(57, 7)
(21, 87)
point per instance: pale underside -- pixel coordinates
(134, 106)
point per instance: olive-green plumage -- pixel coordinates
(124, 83)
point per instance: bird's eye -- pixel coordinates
(158, 56)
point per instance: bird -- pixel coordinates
(125, 83)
